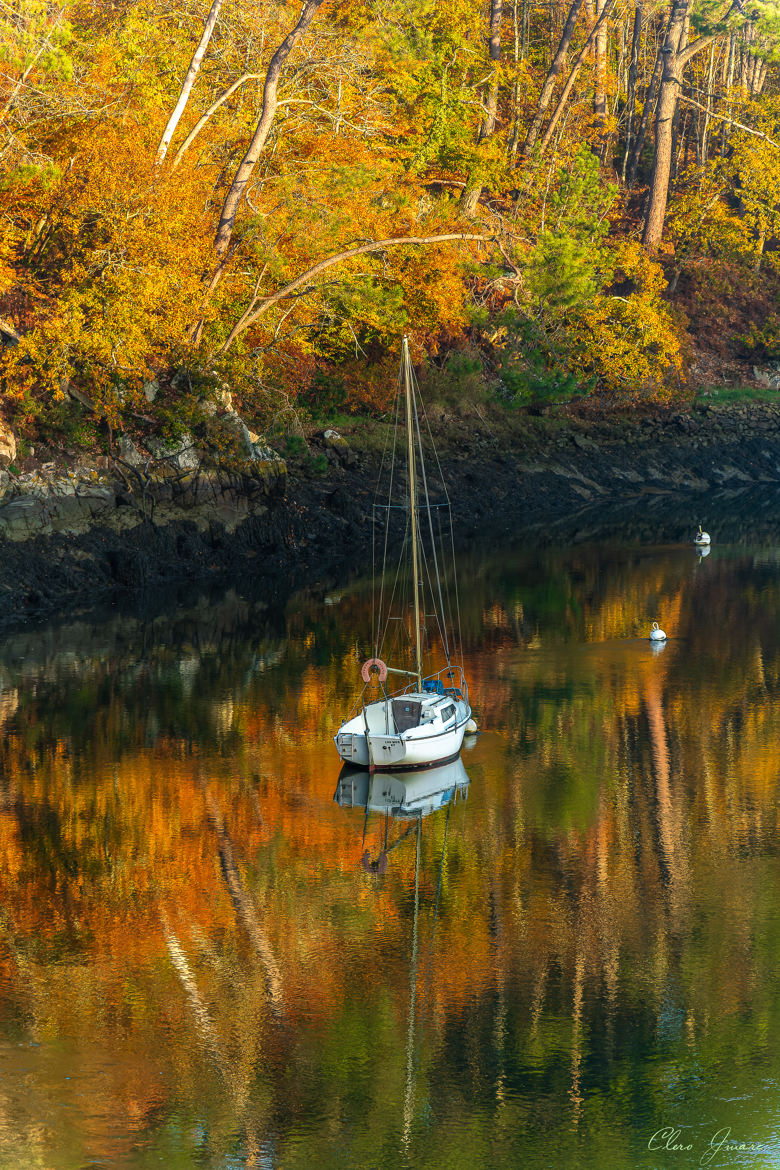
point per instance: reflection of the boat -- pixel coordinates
(402, 794)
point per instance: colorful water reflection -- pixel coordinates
(563, 960)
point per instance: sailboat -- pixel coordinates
(423, 722)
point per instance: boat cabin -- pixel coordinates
(416, 710)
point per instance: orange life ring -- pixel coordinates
(374, 666)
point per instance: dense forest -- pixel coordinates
(551, 199)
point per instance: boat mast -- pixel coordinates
(413, 512)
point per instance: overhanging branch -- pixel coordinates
(257, 309)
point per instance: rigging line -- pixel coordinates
(389, 498)
(401, 640)
(442, 631)
(449, 616)
(457, 594)
(452, 532)
(395, 648)
(374, 615)
(431, 596)
(391, 601)
(395, 586)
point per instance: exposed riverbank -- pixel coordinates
(76, 540)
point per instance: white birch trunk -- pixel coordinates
(189, 81)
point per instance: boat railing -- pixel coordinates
(450, 680)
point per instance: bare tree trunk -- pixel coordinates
(685, 143)
(515, 139)
(469, 199)
(650, 96)
(724, 138)
(671, 83)
(621, 66)
(189, 81)
(676, 117)
(473, 189)
(267, 114)
(707, 119)
(632, 75)
(558, 61)
(494, 51)
(608, 4)
(600, 81)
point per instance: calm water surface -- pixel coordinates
(579, 948)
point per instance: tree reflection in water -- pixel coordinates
(195, 966)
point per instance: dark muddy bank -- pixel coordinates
(511, 480)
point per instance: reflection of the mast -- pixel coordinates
(407, 796)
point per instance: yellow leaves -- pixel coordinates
(633, 262)
(757, 164)
(372, 105)
(119, 263)
(630, 342)
(699, 220)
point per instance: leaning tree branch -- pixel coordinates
(253, 314)
(606, 12)
(215, 105)
(731, 122)
(223, 97)
(263, 128)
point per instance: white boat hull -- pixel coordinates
(369, 740)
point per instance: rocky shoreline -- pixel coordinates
(94, 535)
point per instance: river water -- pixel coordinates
(565, 955)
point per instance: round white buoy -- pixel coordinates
(701, 537)
(657, 634)
(471, 727)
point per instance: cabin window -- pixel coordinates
(406, 714)
(448, 713)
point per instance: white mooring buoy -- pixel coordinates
(657, 634)
(701, 537)
(471, 727)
